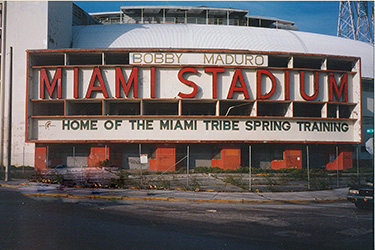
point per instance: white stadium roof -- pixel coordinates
(196, 36)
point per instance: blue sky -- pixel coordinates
(310, 16)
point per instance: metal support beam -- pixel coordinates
(140, 152)
(187, 166)
(250, 184)
(337, 166)
(9, 162)
(308, 166)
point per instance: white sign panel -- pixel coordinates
(179, 58)
(183, 129)
(143, 159)
(370, 145)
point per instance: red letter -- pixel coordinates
(238, 76)
(96, 74)
(333, 86)
(152, 82)
(76, 72)
(187, 82)
(259, 84)
(287, 91)
(133, 79)
(214, 72)
(302, 86)
(44, 81)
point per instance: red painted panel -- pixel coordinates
(97, 154)
(292, 159)
(278, 164)
(343, 161)
(165, 158)
(40, 157)
(230, 158)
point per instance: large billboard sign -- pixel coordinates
(195, 78)
(197, 129)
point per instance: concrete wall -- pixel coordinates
(59, 24)
(28, 25)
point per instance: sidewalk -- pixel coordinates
(32, 189)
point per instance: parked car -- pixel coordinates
(363, 195)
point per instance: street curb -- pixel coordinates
(9, 185)
(139, 198)
(117, 198)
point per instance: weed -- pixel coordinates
(321, 183)
(270, 181)
(194, 185)
(234, 180)
(208, 170)
(164, 184)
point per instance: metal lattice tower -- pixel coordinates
(354, 21)
(345, 27)
(363, 32)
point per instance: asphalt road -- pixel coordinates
(34, 224)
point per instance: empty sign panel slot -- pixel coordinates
(85, 108)
(304, 109)
(272, 108)
(47, 59)
(198, 108)
(345, 111)
(307, 62)
(235, 108)
(124, 108)
(332, 110)
(116, 58)
(84, 59)
(340, 64)
(278, 61)
(160, 108)
(49, 108)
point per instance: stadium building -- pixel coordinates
(194, 86)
